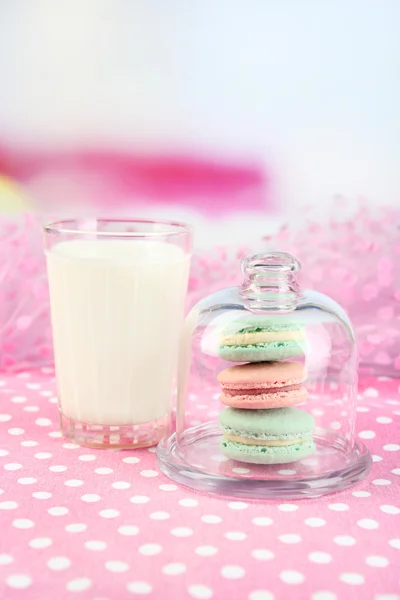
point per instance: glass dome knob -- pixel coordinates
(270, 281)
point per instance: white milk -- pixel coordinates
(117, 310)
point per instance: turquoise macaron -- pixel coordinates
(260, 338)
(273, 436)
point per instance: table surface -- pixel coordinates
(107, 525)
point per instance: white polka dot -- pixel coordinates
(352, 578)
(261, 595)
(95, 545)
(344, 540)
(131, 460)
(16, 431)
(235, 536)
(31, 408)
(42, 422)
(70, 445)
(87, 457)
(368, 524)
(79, 585)
(291, 577)
(182, 532)
(29, 443)
(362, 409)
(323, 596)
(139, 587)
(128, 530)
(12, 466)
(174, 569)
(109, 513)
(58, 468)
(371, 393)
(361, 494)
(18, 399)
(338, 506)
(232, 572)
(58, 563)
(6, 559)
(262, 521)
(395, 543)
(121, 485)
(18, 582)
(3, 452)
(200, 592)
(43, 455)
(188, 502)
(76, 527)
(149, 473)
(389, 509)
(381, 482)
(396, 471)
(391, 447)
(262, 554)
(377, 561)
(90, 498)
(288, 507)
(387, 597)
(117, 566)
(58, 511)
(367, 435)
(103, 471)
(290, 538)
(41, 495)
(73, 482)
(384, 420)
(55, 434)
(139, 499)
(212, 519)
(240, 470)
(33, 386)
(23, 523)
(160, 516)
(150, 549)
(8, 505)
(206, 550)
(168, 487)
(53, 400)
(40, 543)
(238, 505)
(320, 558)
(315, 522)
(376, 458)
(4, 418)
(27, 480)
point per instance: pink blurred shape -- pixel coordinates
(110, 179)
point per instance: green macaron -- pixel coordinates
(262, 338)
(274, 436)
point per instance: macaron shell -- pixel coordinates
(272, 423)
(267, 455)
(262, 375)
(265, 401)
(271, 351)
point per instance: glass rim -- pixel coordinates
(65, 226)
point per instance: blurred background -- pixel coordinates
(230, 114)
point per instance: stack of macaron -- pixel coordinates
(260, 423)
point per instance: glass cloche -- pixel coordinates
(267, 391)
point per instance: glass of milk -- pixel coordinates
(117, 292)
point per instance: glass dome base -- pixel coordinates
(198, 463)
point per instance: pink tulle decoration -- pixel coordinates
(354, 260)
(25, 333)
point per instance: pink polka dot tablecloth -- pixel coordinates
(107, 525)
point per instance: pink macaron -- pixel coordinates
(263, 385)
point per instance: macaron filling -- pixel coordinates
(241, 439)
(260, 336)
(261, 390)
